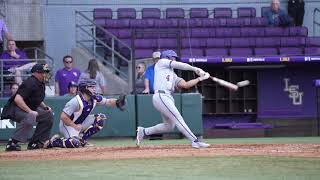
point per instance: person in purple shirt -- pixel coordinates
(4, 33)
(66, 75)
(12, 62)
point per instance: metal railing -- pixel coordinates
(19, 70)
(2, 9)
(102, 44)
(315, 22)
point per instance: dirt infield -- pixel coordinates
(162, 151)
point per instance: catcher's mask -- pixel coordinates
(88, 87)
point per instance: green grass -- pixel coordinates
(207, 168)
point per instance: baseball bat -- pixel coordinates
(224, 83)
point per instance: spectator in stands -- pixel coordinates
(66, 75)
(93, 72)
(149, 75)
(14, 62)
(13, 88)
(277, 17)
(140, 69)
(4, 33)
(296, 11)
(72, 89)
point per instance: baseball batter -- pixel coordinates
(165, 83)
(77, 125)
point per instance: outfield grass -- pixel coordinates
(206, 168)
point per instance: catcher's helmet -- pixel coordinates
(83, 87)
(168, 54)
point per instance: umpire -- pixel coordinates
(296, 11)
(29, 109)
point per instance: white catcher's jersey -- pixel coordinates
(164, 76)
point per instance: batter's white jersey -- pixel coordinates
(164, 76)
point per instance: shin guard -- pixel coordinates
(93, 129)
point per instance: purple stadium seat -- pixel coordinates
(166, 23)
(175, 13)
(216, 52)
(258, 21)
(292, 41)
(276, 31)
(241, 52)
(124, 33)
(246, 12)
(313, 41)
(126, 13)
(145, 43)
(228, 32)
(222, 12)
(190, 23)
(193, 43)
(102, 13)
(290, 51)
(218, 42)
(185, 33)
(312, 51)
(100, 22)
(167, 43)
(203, 32)
(242, 42)
(143, 53)
(199, 13)
(142, 23)
(117, 23)
(298, 31)
(124, 41)
(151, 13)
(235, 22)
(265, 51)
(264, 11)
(252, 32)
(193, 52)
(214, 22)
(267, 42)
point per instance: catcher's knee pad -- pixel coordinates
(72, 142)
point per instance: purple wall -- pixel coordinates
(287, 92)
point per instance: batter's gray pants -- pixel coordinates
(44, 122)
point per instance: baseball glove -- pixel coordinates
(121, 102)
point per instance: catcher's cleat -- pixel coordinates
(197, 144)
(48, 143)
(140, 135)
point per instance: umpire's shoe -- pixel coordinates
(11, 146)
(35, 145)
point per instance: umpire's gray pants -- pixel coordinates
(44, 122)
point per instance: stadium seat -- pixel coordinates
(216, 52)
(166, 23)
(199, 13)
(190, 23)
(313, 41)
(143, 53)
(246, 12)
(214, 22)
(126, 13)
(222, 12)
(142, 23)
(241, 52)
(218, 42)
(235, 22)
(175, 13)
(242, 42)
(117, 23)
(151, 13)
(192, 52)
(292, 41)
(228, 32)
(193, 43)
(312, 51)
(258, 22)
(102, 13)
(252, 32)
(124, 33)
(276, 31)
(168, 43)
(265, 51)
(290, 51)
(203, 32)
(298, 31)
(145, 43)
(267, 42)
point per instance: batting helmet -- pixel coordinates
(83, 87)
(168, 54)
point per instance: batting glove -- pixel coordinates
(204, 77)
(199, 72)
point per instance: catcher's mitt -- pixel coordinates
(121, 102)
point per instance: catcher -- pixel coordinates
(77, 125)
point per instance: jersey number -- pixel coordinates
(168, 78)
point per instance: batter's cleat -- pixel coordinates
(48, 143)
(140, 135)
(197, 144)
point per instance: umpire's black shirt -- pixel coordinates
(32, 92)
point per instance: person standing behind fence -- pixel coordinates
(140, 69)
(4, 33)
(29, 109)
(66, 75)
(93, 72)
(149, 75)
(13, 60)
(296, 11)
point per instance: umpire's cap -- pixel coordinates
(40, 68)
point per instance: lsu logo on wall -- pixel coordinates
(284, 59)
(226, 60)
(294, 94)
